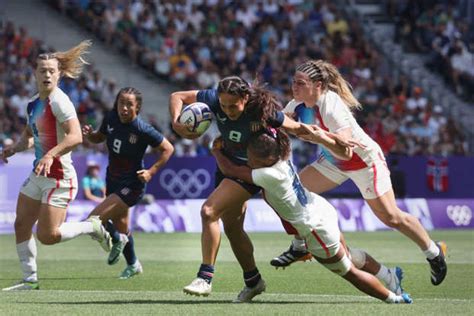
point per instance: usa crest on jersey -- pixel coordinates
(132, 138)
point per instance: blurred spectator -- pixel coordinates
(92, 184)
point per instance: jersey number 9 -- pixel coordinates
(116, 145)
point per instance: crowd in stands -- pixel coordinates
(441, 29)
(195, 43)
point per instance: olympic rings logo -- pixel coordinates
(185, 182)
(461, 215)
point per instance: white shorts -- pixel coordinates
(50, 191)
(372, 181)
(323, 240)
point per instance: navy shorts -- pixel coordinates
(130, 193)
(250, 188)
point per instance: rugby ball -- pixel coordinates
(197, 117)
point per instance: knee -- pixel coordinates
(48, 237)
(393, 219)
(208, 214)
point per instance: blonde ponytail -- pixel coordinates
(327, 73)
(71, 62)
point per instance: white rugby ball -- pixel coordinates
(197, 117)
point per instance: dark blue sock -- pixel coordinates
(129, 250)
(251, 278)
(114, 234)
(206, 272)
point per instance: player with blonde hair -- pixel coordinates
(54, 131)
(319, 86)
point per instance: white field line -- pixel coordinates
(222, 295)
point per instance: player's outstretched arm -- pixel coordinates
(165, 149)
(340, 146)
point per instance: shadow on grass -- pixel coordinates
(191, 302)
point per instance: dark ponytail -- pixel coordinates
(262, 104)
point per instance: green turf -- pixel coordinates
(75, 279)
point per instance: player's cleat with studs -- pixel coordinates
(396, 277)
(131, 270)
(248, 293)
(406, 299)
(100, 234)
(290, 256)
(117, 249)
(23, 286)
(438, 264)
(198, 287)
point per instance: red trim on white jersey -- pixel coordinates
(374, 168)
(355, 163)
(328, 254)
(52, 191)
(49, 126)
(290, 229)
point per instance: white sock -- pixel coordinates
(72, 230)
(27, 253)
(392, 298)
(383, 274)
(299, 244)
(432, 251)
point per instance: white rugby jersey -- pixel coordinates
(333, 115)
(284, 192)
(45, 117)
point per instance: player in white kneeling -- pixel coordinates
(314, 218)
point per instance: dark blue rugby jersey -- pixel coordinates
(127, 144)
(234, 133)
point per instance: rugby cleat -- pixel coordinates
(131, 270)
(198, 287)
(290, 256)
(406, 299)
(248, 293)
(396, 277)
(23, 286)
(117, 249)
(439, 269)
(100, 234)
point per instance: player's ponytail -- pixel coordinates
(71, 62)
(262, 104)
(327, 73)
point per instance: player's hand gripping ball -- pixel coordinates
(197, 117)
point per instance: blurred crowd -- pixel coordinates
(441, 29)
(195, 43)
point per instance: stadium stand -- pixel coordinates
(194, 44)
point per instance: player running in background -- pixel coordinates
(319, 85)
(54, 131)
(314, 218)
(239, 112)
(127, 137)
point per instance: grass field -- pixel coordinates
(75, 279)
